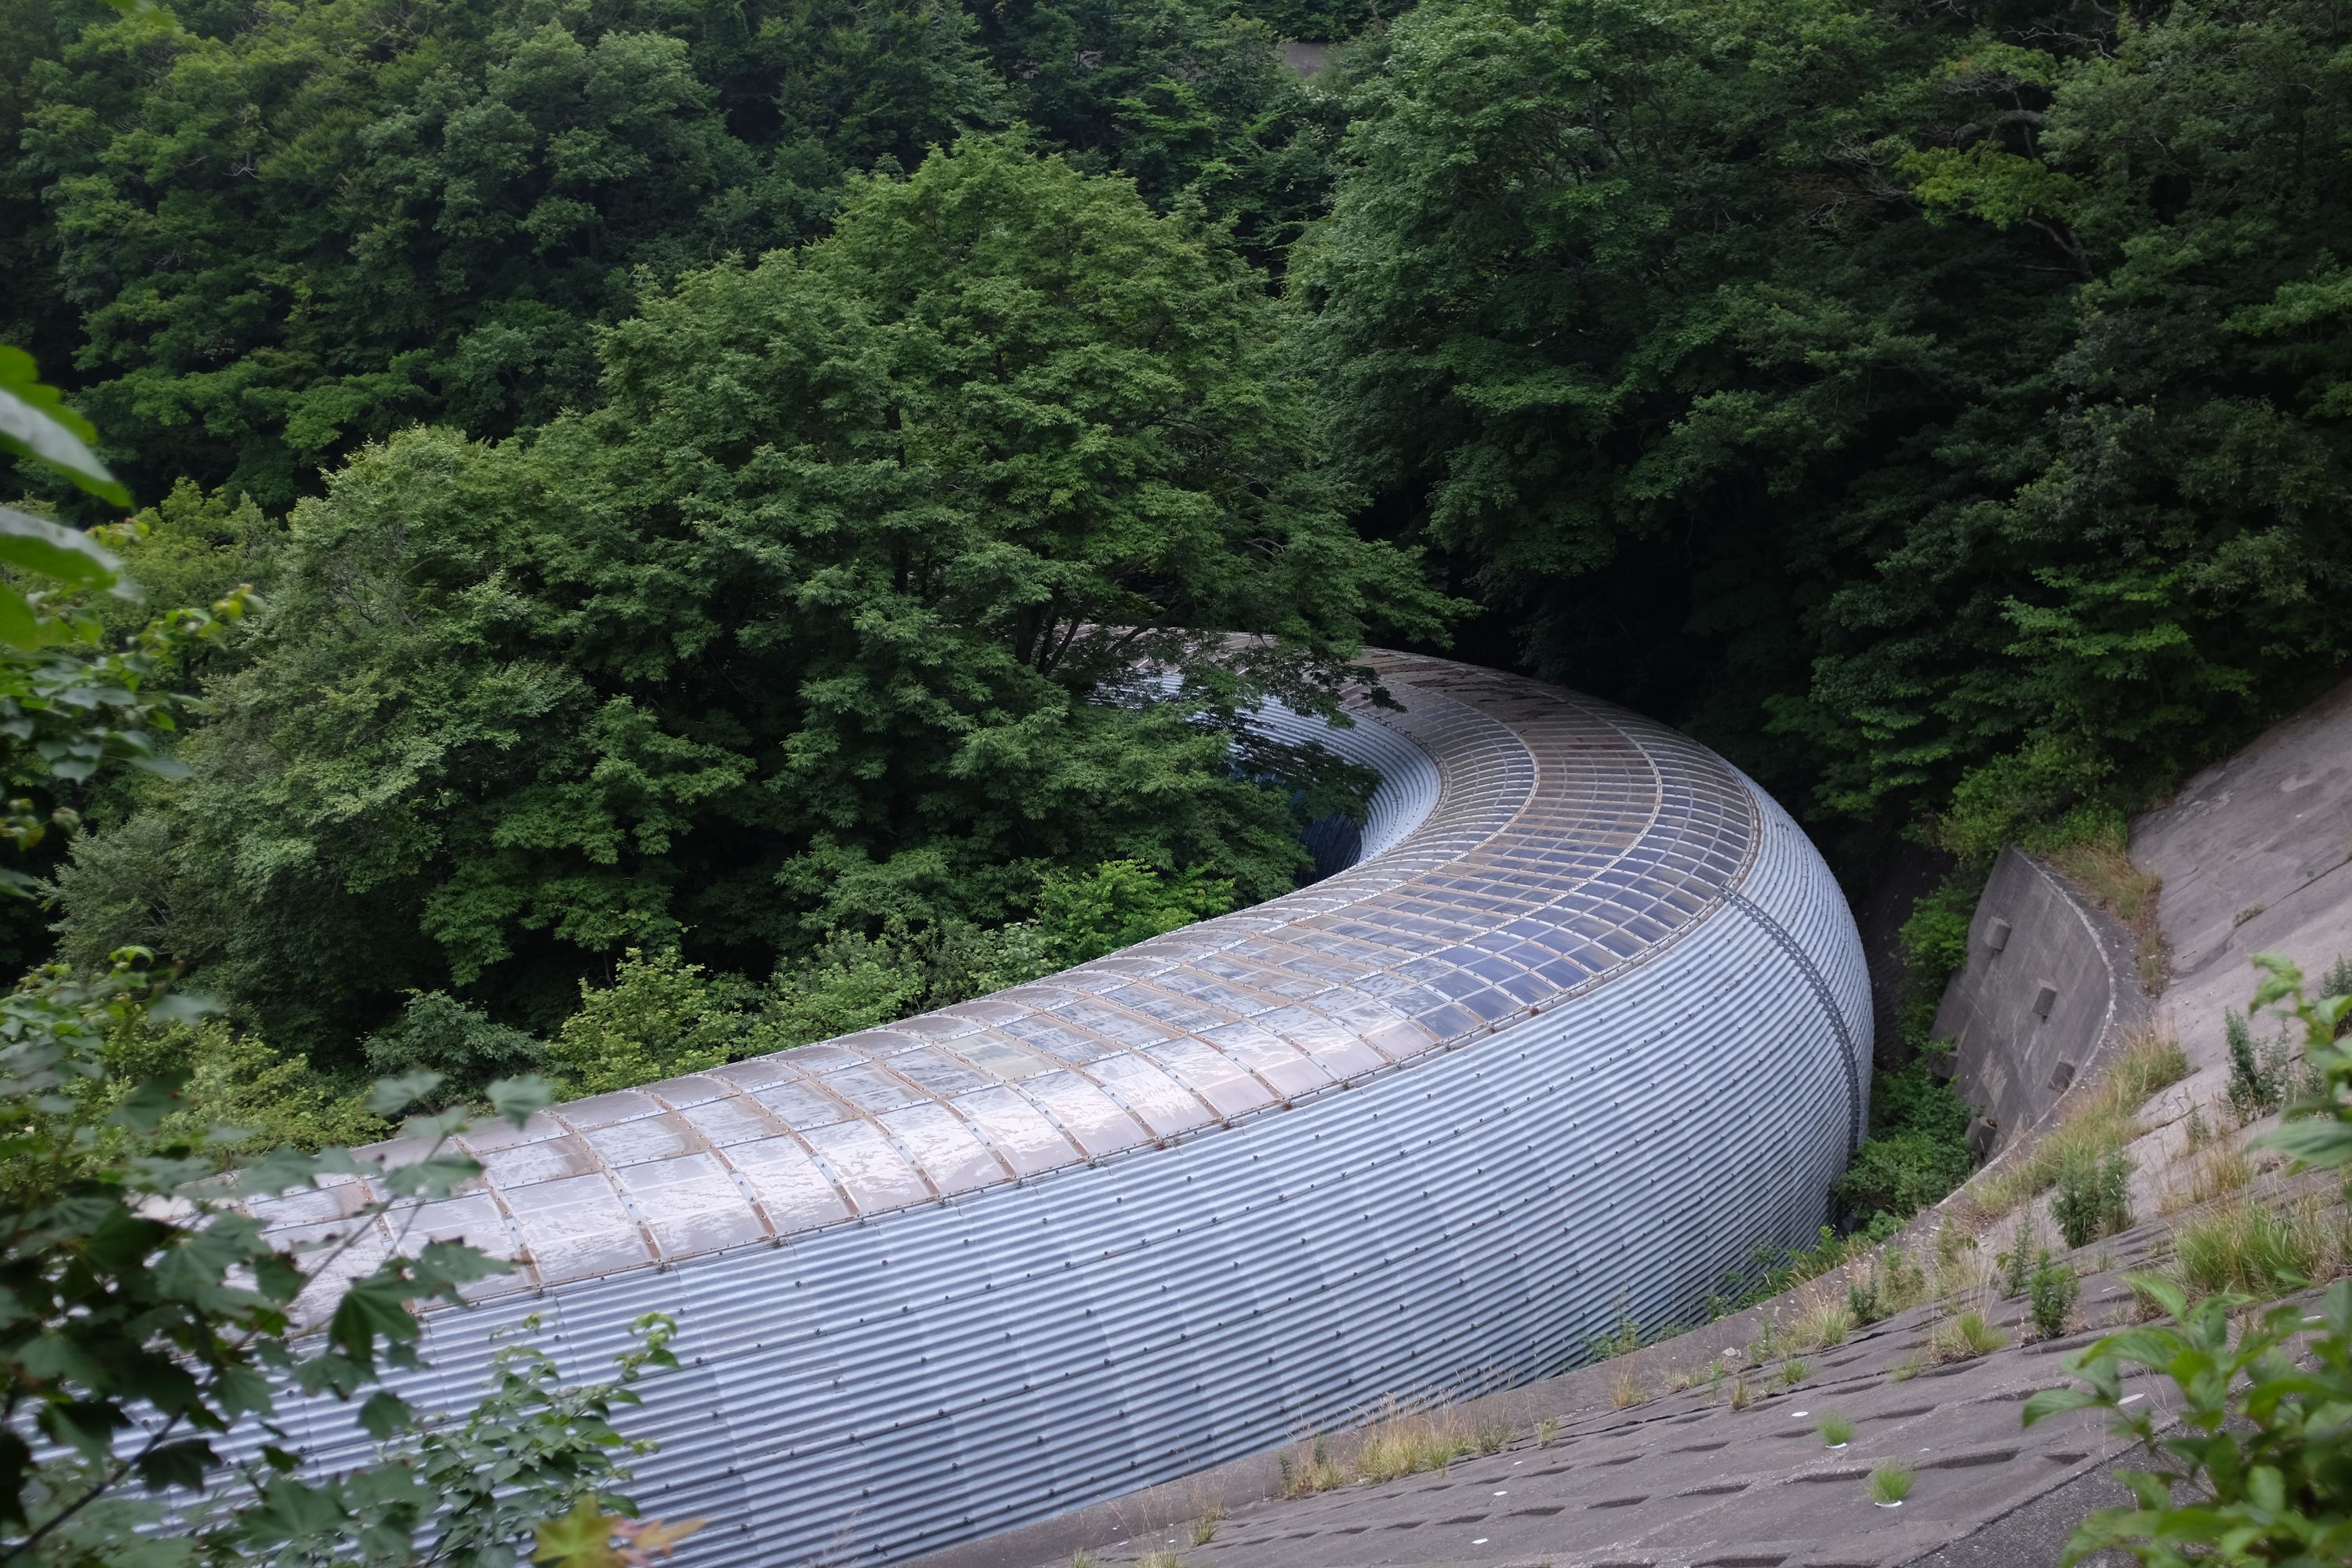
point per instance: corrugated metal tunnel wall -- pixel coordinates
(1587, 1024)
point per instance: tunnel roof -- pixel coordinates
(1527, 845)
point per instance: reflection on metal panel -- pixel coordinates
(1587, 1024)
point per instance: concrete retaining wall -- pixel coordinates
(2049, 981)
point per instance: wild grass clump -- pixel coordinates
(2102, 866)
(1890, 1484)
(1965, 1337)
(2101, 1123)
(2216, 1170)
(1315, 1471)
(1792, 1373)
(1626, 1391)
(2257, 1250)
(1678, 1378)
(1405, 1445)
(1821, 1321)
(1490, 1436)
(1546, 1430)
(1740, 1397)
(1204, 1527)
(1836, 1431)
(1906, 1369)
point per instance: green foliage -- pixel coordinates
(1935, 948)
(1949, 403)
(290, 230)
(828, 622)
(1120, 903)
(436, 1033)
(2252, 1462)
(2093, 1195)
(2319, 1129)
(469, 1490)
(661, 1017)
(1918, 1149)
(2050, 1293)
(236, 1082)
(272, 235)
(149, 1316)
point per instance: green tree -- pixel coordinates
(1884, 398)
(151, 1319)
(891, 576)
(291, 229)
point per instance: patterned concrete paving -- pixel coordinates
(1684, 1480)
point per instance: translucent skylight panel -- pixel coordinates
(875, 1174)
(691, 1205)
(576, 1227)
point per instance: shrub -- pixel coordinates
(435, 1033)
(1935, 947)
(2260, 1070)
(2050, 1295)
(240, 1097)
(2093, 1196)
(1864, 1298)
(2257, 1465)
(660, 1016)
(2016, 1265)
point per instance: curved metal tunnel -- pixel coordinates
(1586, 1023)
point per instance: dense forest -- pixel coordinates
(709, 472)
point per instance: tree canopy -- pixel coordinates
(888, 576)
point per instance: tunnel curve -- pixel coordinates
(1585, 1023)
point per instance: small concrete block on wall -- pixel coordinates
(2048, 978)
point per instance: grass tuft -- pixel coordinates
(1316, 1471)
(1823, 1319)
(2105, 870)
(1402, 1443)
(1626, 1391)
(2248, 1246)
(1966, 1336)
(2100, 1125)
(1836, 1431)
(1890, 1483)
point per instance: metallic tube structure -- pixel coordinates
(1585, 1024)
